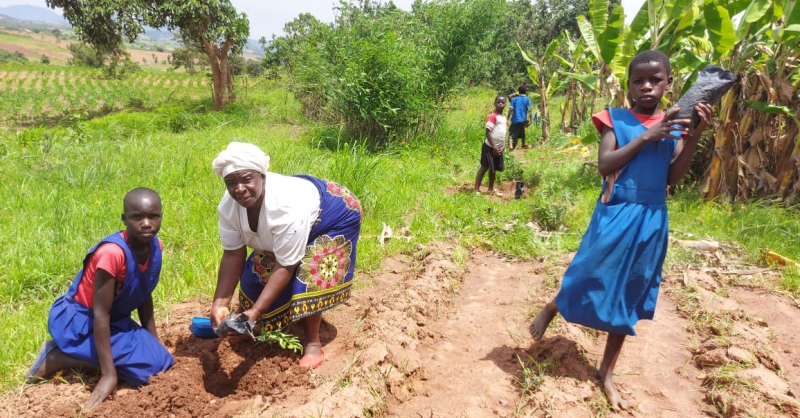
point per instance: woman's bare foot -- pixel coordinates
(543, 319)
(614, 398)
(313, 356)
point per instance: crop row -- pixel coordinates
(43, 95)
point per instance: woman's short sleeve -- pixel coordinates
(230, 233)
(293, 208)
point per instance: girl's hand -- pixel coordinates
(665, 128)
(105, 387)
(706, 113)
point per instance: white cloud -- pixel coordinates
(268, 18)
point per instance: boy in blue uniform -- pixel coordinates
(91, 324)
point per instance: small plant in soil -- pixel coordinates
(286, 341)
(513, 169)
(533, 374)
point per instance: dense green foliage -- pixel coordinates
(190, 59)
(113, 65)
(380, 72)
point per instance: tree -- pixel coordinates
(211, 26)
(553, 17)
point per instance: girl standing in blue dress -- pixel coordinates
(614, 278)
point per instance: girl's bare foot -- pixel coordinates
(313, 356)
(614, 398)
(39, 369)
(542, 320)
(51, 359)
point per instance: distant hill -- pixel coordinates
(33, 14)
(252, 46)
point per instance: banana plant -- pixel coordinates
(603, 34)
(756, 151)
(537, 69)
(581, 79)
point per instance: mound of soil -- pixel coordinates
(432, 337)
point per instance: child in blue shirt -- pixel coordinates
(91, 324)
(519, 116)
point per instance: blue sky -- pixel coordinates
(268, 17)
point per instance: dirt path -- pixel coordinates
(429, 337)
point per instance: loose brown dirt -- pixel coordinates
(431, 337)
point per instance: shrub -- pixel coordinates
(8, 56)
(86, 55)
(255, 68)
(380, 72)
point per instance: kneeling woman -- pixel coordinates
(303, 232)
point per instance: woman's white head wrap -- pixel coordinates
(240, 156)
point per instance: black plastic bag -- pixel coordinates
(235, 322)
(711, 84)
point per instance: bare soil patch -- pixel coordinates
(430, 337)
(33, 53)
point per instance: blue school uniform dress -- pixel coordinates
(324, 277)
(137, 353)
(614, 278)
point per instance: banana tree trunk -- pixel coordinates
(717, 182)
(567, 107)
(545, 114)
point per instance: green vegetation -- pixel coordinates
(30, 42)
(75, 142)
(63, 185)
(7, 56)
(213, 27)
(49, 95)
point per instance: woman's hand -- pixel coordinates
(665, 128)
(230, 269)
(252, 314)
(218, 313)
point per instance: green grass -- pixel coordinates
(62, 185)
